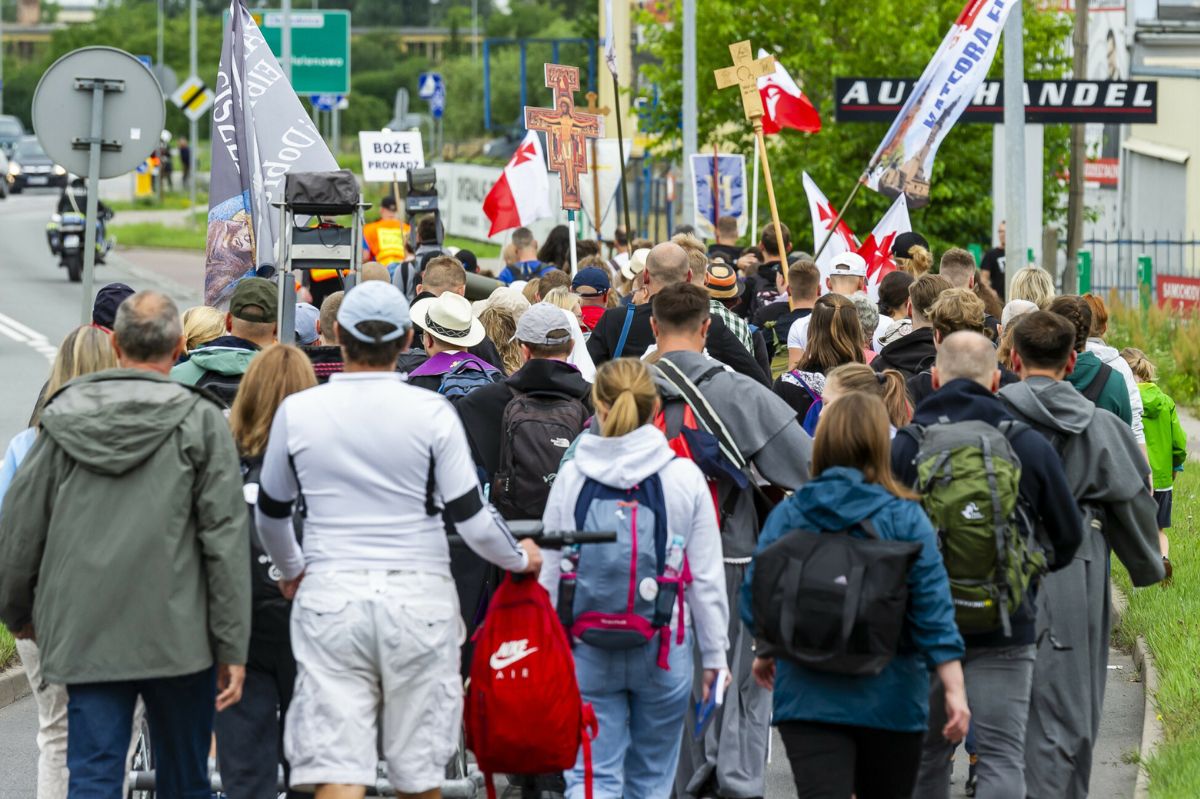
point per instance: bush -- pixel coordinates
(1169, 338)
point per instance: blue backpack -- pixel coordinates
(620, 595)
(466, 376)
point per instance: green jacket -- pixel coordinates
(1114, 397)
(1166, 443)
(222, 360)
(124, 537)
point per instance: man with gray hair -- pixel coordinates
(136, 579)
(998, 667)
(627, 332)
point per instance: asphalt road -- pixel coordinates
(38, 307)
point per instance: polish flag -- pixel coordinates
(877, 249)
(784, 102)
(823, 215)
(522, 194)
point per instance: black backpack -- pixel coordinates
(270, 608)
(537, 430)
(833, 601)
(223, 388)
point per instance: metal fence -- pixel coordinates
(1115, 262)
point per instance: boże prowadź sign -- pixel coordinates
(1129, 102)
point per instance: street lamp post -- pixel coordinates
(193, 127)
(1014, 146)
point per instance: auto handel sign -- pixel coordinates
(1127, 102)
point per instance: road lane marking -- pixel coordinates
(21, 334)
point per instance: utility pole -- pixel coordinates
(1016, 245)
(285, 39)
(689, 105)
(1078, 165)
(158, 55)
(193, 126)
(474, 30)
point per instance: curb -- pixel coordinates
(1152, 729)
(13, 686)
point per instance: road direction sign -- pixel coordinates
(193, 98)
(320, 48)
(329, 102)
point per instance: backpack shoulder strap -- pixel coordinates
(629, 310)
(653, 491)
(1096, 387)
(587, 494)
(704, 412)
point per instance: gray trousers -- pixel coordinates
(998, 683)
(1074, 622)
(731, 757)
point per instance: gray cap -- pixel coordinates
(374, 301)
(543, 324)
(306, 323)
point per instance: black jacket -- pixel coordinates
(776, 320)
(909, 355)
(729, 252)
(483, 408)
(1044, 490)
(921, 386)
(722, 344)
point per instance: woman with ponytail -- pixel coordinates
(639, 680)
(888, 385)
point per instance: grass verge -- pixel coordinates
(8, 648)
(1169, 620)
(172, 201)
(156, 234)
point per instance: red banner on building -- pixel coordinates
(1178, 292)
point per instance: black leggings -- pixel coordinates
(833, 761)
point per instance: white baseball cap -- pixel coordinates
(848, 264)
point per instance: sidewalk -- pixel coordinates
(1191, 426)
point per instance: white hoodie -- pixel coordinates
(623, 462)
(1110, 356)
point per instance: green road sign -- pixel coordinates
(320, 48)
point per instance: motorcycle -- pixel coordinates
(65, 234)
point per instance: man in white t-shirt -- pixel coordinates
(847, 276)
(376, 628)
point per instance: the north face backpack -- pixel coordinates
(466, 376)
(622, 594)
(833, 601)
(524, 713)
(536, 430)
(968, 477)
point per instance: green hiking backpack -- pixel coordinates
(968, 477)
(780, 357)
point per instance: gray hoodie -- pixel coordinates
(1104, 466)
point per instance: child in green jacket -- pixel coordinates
(1166, 443)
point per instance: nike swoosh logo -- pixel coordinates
(498, 662)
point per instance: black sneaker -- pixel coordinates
(971, 778)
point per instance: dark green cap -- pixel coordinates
(254, 300)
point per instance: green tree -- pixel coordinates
(852, 38)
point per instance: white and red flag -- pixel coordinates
(522, 194)
(823, 216)
(877, 249)
(784, 102)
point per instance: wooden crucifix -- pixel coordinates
(602, 112)
(744, 74)
(566, 131)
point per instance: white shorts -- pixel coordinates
(376, 652)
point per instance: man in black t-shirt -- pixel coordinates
(775, 320)
(992, 265)
(726, 248)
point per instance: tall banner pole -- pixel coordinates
(621, 156)
(754, 200)
(842, 212)
(571, 239)
(716, 190)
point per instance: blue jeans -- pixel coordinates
(99, 725)
(641, 709)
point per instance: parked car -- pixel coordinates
(31, 167)
(11, 132)
(3, 175)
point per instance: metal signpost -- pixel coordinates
(97, 111)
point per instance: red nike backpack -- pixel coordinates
(524, 713)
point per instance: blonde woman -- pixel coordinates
(201, 325)
(912, 254)
(84, 350)
(250, 733)
(630, 467)
(1034, 284)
